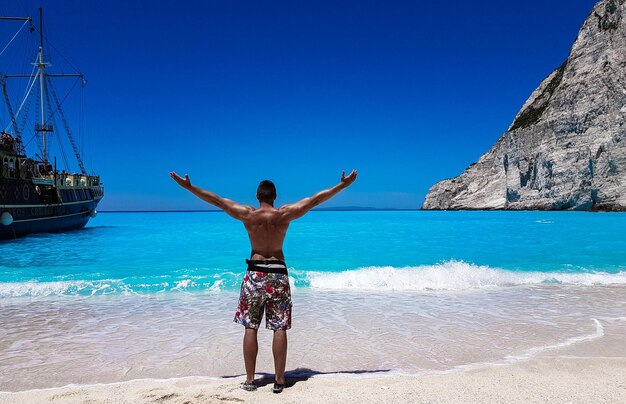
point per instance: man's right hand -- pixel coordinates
(347, 181)
(183, 182)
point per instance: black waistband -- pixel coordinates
(267, 266)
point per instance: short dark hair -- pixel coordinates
(266, 192)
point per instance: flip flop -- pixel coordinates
(278, 388)
(248, 386)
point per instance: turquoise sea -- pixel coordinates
(379, 250)
(152, 295)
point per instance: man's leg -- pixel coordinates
(250, 349)
(279, 349)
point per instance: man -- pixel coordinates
(266, 284)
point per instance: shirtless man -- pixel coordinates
(266, 284)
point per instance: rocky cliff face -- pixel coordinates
(566, 149)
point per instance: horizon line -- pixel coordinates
(339, 209)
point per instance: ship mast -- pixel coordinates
(41, 72)
(45, 89)
(18, 136)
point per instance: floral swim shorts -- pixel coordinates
(265, 288)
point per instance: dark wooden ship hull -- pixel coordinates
(45, 208)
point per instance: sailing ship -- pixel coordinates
(35, 196)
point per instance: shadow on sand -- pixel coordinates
(303, 374)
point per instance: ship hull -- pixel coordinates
(29, 216)
(49, 223)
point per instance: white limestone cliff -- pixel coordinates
(566, 149)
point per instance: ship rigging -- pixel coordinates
(34, 195)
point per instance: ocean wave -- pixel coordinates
(102, 287)
(450, 275)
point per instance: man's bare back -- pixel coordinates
(267, 228)
(266, 284)
(266, 225)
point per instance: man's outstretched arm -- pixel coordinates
(234, 209)
(299, 209)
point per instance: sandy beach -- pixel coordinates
(591, 371)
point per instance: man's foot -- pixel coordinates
(248, 386)
(278, 387)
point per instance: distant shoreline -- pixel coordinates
(215, 210)
(370, 210)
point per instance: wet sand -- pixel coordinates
(591, 371)
(508, 345)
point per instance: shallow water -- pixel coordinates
(48, 342)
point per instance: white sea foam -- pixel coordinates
(599, 333)
(528, 354)
(450, 275)
(217, 286)
(18, 289)
(185, 283)
(99, 287)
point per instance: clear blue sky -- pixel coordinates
(233, 92)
